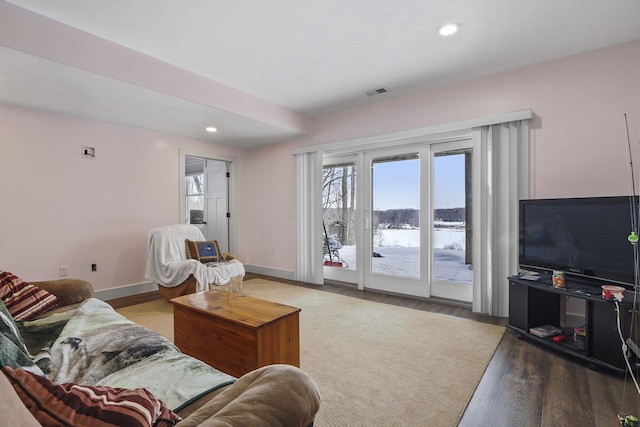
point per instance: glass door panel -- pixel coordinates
(339, 221)
(395, 230)
(452, 273)
(393, 252)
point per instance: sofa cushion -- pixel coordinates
(80, 405)
(24, 300)
(205, 252)
(274, 395)
(69, 291)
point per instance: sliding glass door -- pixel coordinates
(417, 217)
(394, 257)
(398, 220)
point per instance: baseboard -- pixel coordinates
(267, 271)
(126, 291)
(141, 288)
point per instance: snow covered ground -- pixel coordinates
(399, 250)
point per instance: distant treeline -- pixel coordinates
(400, 217)
(396, 218)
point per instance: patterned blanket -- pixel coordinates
(97, 346)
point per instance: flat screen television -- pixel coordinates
(586, 237)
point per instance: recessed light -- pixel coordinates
(449, 29)
(211, 129)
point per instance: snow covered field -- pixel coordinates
(442, 237)
(400, 255)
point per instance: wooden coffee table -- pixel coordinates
(236, 333)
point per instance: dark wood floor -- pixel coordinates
(524, 384)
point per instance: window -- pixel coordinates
(339, 215)
(195, 198)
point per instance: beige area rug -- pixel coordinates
(375, 364)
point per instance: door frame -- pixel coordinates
(232, 163)
(426, 146)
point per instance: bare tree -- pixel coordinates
(338, 188)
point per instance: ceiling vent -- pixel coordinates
(376, 91)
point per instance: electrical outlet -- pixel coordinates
(63, 270)
(94, 267)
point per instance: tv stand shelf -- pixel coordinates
(537, 303)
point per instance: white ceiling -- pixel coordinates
(310, 57)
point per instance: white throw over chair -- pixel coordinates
(178, 272)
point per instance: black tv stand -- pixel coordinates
(537, 303)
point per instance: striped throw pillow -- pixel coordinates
(24, 300)
(81, 405)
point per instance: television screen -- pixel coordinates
(580, 236)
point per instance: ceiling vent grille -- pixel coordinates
(378, 91)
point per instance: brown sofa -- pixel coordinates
(275, 395)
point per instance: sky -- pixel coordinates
(396, 184)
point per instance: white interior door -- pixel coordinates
(216, 203)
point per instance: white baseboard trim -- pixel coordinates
(126, 291)
(141, 288)
(267, 271)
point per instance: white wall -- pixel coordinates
(60, 209)
(269, 200)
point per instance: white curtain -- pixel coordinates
(504, 167)
(308, 217)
